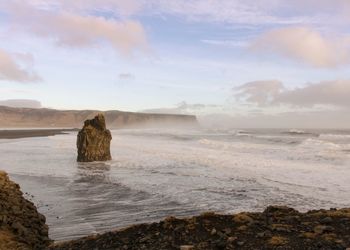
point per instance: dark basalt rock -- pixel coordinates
(285, 229)
(21, 226)
(94, 141)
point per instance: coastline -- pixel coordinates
(277, 227)
(27, 133)
(274, 227)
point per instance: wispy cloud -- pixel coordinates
(21, 103)
(309, 119)
(186, 108)
(120, 7)
(305, 45)
(327, 93)
(335, 93)
(11, 70)
(126, 76)
(233, 11)
(260, 92)
(226, 43)
(77, 30)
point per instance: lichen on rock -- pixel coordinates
(94, 140)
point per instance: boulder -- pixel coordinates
(21, 226)
(94, 141)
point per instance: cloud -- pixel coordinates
(24, 57)
(84, 22)
(340, 6)
(304, 45)
(185, 108)
(77, 30)
(233, 11)
(11, 70)
(174, 111)
(327, 93)
(336, 93)
(226, 43)
(126, 76)
(121, 7)
(313, 120)
(260, 92)
(262, 12)
(21, 103)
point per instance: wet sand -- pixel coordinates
(25, 133)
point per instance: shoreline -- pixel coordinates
(28, 133)
(277, 227)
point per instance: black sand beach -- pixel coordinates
(24, 133)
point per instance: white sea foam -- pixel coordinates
(155, 173)
(316, 144)
(335, 136)
(296, 131)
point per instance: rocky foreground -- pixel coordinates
(275, 228)
(22, 227)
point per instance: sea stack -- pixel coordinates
(94, 141)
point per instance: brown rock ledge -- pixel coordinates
(275, 228)
(21, 226)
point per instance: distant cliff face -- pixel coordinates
(26, 117)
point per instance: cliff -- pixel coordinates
(21, 226)
(40, 118)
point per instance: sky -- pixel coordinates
(253, 62)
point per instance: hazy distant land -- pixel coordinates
(52, 118)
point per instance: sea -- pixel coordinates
(157, 173)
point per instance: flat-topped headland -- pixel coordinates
(52, 118)
(22, 227)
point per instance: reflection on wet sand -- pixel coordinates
(92, 203)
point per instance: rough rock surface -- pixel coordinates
(94, 141)
(275, 228)
(21, 226)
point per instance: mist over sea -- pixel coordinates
(158, 173)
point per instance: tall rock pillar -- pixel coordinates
(94, 141)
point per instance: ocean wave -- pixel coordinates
(212, 143)
(335, 136)
(320, 144)
(244, 133)
(300, 132)
(221, 145)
